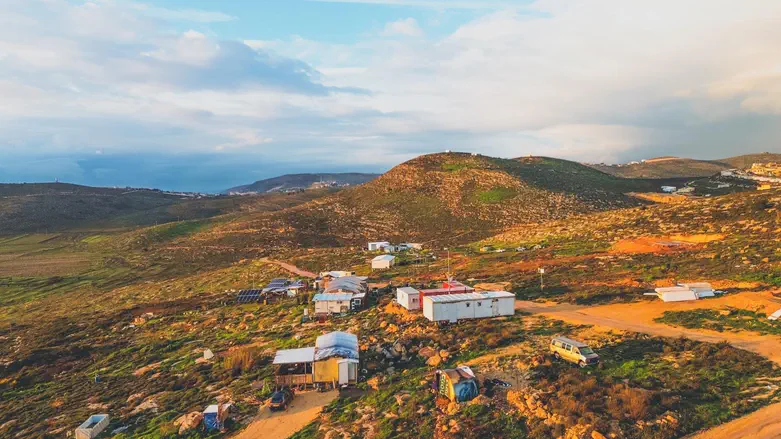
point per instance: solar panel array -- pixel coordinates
(248, 296)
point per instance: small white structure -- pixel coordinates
(208, 354)
(728, 173)
(454, 307)
(383, 262)
(408, 297)
(701, 289)
(379, 245)
(411, 246)
(775, 315)
(332, 303)
(675, 294)
(92, 427)
(669, 189)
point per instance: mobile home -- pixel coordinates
(383, 262)
(408, 297)
(454, 307)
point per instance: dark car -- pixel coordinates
(281, 399)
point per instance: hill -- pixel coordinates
(50, 207)
(665, 167)
(291, 181)
(441, 197)
(678, 167)
(745, 161)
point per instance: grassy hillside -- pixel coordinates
(677, 167)
(745, 161)
(441, 197)
(52, 207)
(289, 181)
(666, 167)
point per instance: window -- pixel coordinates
(568, 347)
(479, 303)
(467, 304)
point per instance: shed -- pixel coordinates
(294, 367)
(675, 294)
(408, 297)
(457, 385)
(454, 307)
(383, 262)
(669, 189)
(92, 427)
(378, 245)
(336, 358)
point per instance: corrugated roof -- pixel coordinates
(293, 356)
(336, 344)
(679, 289)
(332, 297)
(351, 284)
(449, 298)
(384, 258)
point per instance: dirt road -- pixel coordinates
(291, 268)
(304, 409)
(762, 424)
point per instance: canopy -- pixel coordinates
(336, 344)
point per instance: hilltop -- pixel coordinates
(679, 167)
(452, 197)
(301, 181)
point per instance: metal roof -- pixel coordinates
(678, 289)
(696, 285)
(294, 356)
(464, 297)
(577, 344)
(384, 258)
(332, 297)
(336, 344)
(407, 290)
(350, 284)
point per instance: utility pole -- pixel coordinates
(448, 262)
(542, 281)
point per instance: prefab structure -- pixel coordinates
(92, 427)
(332, 303)
(336, 358)
(457, 385)
(408, 297)
(675, 294)
(379, 245)
(701, 289)
(669, 189)
(454, 307)
(383, 262)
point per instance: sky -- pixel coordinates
(205, 95)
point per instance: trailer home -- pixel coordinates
(408, 297)
(451, 308)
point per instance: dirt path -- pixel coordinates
(304, 409)
(291, 268)
(638, 317)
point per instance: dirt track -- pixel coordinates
(638, 317)
(291, 268)
(280, 425)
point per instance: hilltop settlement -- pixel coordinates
(455, 296)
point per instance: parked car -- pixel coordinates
(281, 399)
(573, 351)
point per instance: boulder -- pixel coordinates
(597, 435)
(188, 422)
(427, 352)
(434, 361)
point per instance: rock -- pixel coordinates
(208, 354)
(392, 329)
(374, 382)
(434, 361)
(597, 435)
(427, 352)
(452, 408)
(444, 354)
(480, 400)
(188, 422)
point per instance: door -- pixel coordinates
(495, 307)
(344, 372)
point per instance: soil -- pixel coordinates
(304, 408)
(291, 268)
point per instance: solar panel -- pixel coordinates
(247, 296)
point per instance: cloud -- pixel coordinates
(438, 4)
(191, 15)
(606, 80)
(407, 27)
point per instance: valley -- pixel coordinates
(105, 311)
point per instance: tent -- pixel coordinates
(458, 385)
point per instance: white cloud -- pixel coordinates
(406, 27)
